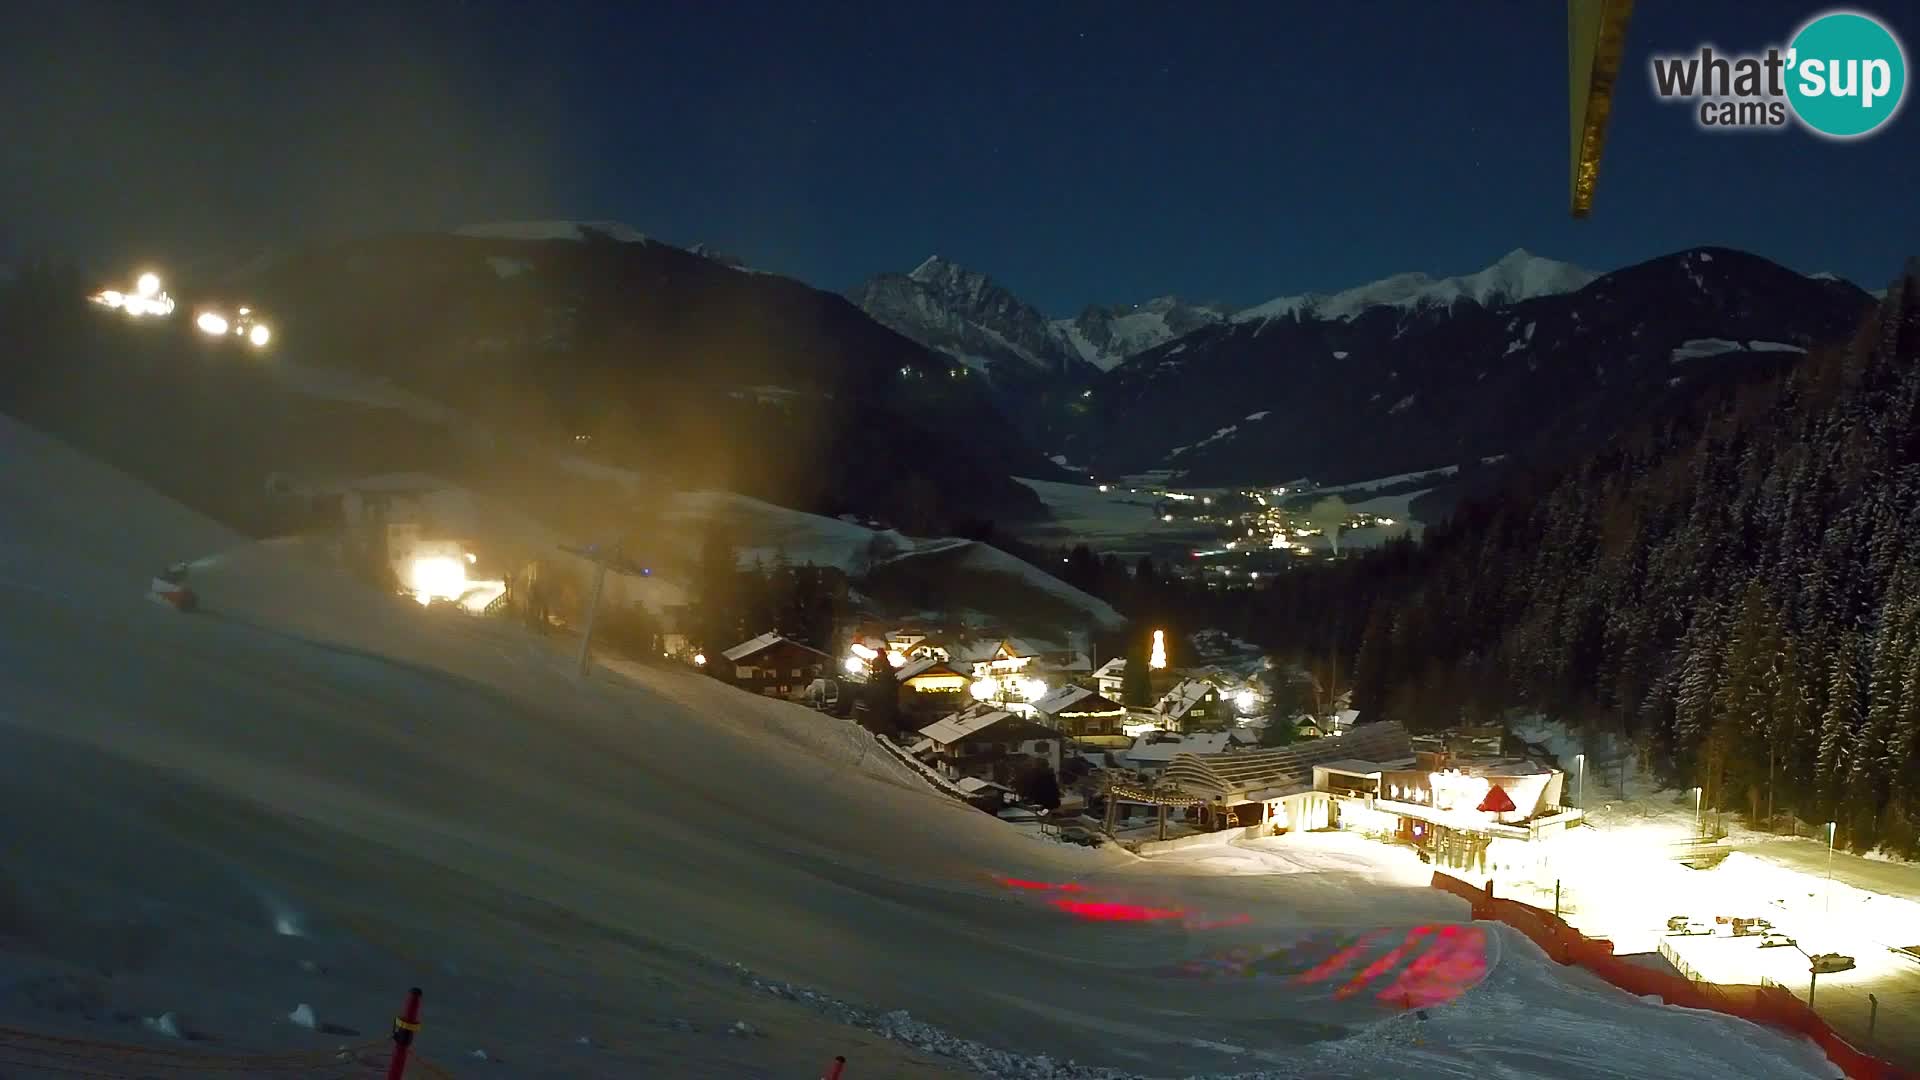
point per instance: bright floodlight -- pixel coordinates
(982, 690)
(856, 666)
(212, 323)
(437, 577)
(259, 335)
(148, 285)
(1246, 700)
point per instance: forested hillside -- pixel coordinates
(1737, 587)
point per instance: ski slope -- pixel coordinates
(313, 794)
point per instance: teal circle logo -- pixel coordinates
(1846, 74)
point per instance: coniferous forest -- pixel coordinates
(1736, 588)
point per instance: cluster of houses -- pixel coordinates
(982, 712)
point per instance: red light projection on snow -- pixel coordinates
(1089, 909)
(1414, 969)
(1455, 959)
(1041, 886)
(1095, 911)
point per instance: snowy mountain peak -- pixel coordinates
(1517, 275)
(1106, 337)
(934, 268)
(963, 313)
(619, 232)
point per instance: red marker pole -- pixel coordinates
(833, 1070)
(405, 1026)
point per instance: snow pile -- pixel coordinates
(1519, 275)
(553, 230)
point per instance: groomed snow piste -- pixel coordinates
(312, 795)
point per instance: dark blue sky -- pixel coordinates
(1078, 152)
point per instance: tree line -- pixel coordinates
(1735, 586)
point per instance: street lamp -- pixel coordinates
(1697, 831)
(1830, 828)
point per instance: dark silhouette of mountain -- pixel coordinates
(667, 361)
(1356, 389)
(1733, 586)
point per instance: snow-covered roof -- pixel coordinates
(1254, 775)
(1182, 698)
(974, 651)
(1354, 766)
(1060, 697)
(1112, 669)
(1070, 661)
(766, 640)
(973, 785)
(1209, 742)
(920, 666)
(952, 729)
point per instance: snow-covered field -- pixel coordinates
(1086, 513)
(310, 794)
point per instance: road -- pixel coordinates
(1872, 875)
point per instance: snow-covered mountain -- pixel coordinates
(1519, 275)
(1106, 336)
(973, 318)
(966, 315)
(1527, 357)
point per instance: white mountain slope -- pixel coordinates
(968, 315)
(1106, 337)
(1519, 275)
(965, 314)
(312, 794)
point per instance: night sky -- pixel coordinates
(1080, 153)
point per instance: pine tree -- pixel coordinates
(1866, 759)
(1699, 675)
(1136, 686)
(882, 695)
(1788, 712)
(717, 614)
(1740, 701)
(1837, 725)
